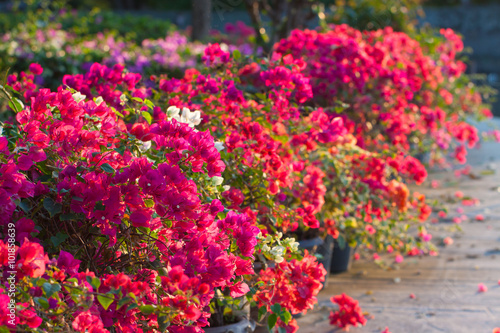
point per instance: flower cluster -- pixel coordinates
(389, 81)
(348, 314)
(72, 166)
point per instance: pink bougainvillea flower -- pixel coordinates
(426, 237)
(140, 218)
(36, 69)
(67, 262)
(24, 228)
(459, 194)
(479, 217)
(448, 241)
(239, 289)
(412, 296)
(376, 256)
(460, 210)
(370, 229)
(470, 202)
(399, 258)
(356, 256)
(482, 288)
(24, 162)
(386, 330)
(457, 220)
(435, 183)
(442, 214)
(87, 322)
(496, 330)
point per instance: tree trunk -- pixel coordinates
(202, 15)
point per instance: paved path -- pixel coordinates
(446, 286)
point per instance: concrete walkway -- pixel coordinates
(446, 286)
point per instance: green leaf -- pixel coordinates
(341, 241)
(58, 239)
(120, 150)
(262, 312)
(16, 104)
(271, 321)
(149, 103)
(260, 96)
(147, 309)
(25, 205)
(285, 316)
(94, 282)
(149, 202)
(68, 217)
(131, 306)
(50, 289)
(123, 301)
(276, 308)
(107, 168)
(147, 116)
(42, 301)
(106, 301)
(236, 54)
(52, 207)
(163, 323)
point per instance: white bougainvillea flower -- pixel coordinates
(173, 112)
(219, 146)
(78, 97)
(192, 118)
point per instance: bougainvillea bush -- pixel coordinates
(118, 214)
(144, 248)
(403, 95)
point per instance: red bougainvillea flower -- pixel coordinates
(348, 314)
(295, 284)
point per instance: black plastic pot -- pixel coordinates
(341, 259)
(322, 247)
(243, 326)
